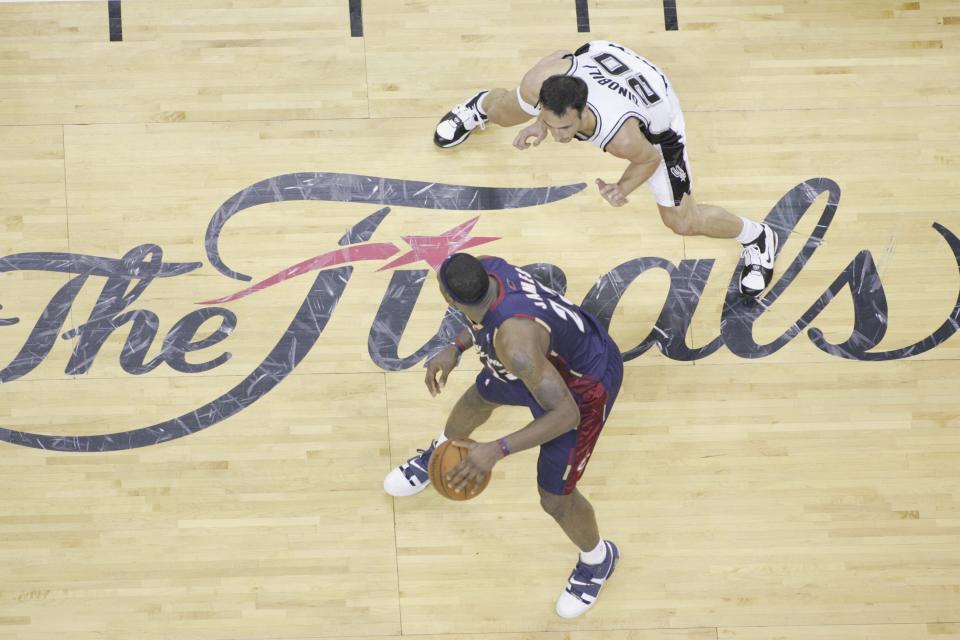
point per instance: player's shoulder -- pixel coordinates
(519, 330)
(556, 64)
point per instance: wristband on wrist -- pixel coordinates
(459, 345)
(504, 449)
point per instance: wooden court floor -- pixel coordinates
(178, 466)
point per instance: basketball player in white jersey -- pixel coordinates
(619, 101)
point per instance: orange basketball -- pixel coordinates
(443, 460)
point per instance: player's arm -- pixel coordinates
(465, 340)
(528, 94)
(443, 362)
(522, 346)
(631, 145)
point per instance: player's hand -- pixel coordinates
(612, 193)
(478, 463)
(442, 363)
(537, 131)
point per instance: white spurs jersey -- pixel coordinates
(621, 85)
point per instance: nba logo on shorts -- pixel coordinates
(679, 173)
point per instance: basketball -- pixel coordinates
(445, 457)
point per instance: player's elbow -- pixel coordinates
(649, 160)
(564, 417)
(570, 416)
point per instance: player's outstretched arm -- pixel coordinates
(631, 145)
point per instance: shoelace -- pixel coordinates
(420, 452)
(581, 573)
(751, 255)
(409, 470)
(463, 110)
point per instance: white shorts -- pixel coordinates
(672, 178)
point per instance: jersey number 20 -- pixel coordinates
(615, 67)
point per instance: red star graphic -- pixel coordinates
(434, 249)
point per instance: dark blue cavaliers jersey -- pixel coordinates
(579, 345)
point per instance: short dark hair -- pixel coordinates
(559, 93)
(464, 278)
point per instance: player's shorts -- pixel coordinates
(672, 178)
(564, 459)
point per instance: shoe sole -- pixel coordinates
(447, 145)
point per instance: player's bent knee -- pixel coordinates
(678, 222)
(475, 402)
(555, 505)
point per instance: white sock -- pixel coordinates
(750, 232)
(595, 556)
(441, 439)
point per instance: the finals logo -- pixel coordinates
(126, 278)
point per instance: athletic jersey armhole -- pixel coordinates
(620, 124)
(596, 132)
(500, 294)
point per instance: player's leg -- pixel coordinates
(499, 106)
(562, 463)
(503, 107)
(575, 515)
(759, 241)
(597, 559)
(471, 411)
(679, 210)
(690, 218)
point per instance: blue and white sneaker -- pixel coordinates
(585, 583)
(410, 478)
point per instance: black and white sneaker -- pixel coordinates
(411, 477)
(758, 257)
(460, 122)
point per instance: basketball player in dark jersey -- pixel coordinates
(541, 351)
(617, 100)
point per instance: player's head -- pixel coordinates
(463, 280)
(562, 101)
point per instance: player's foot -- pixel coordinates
(758, 257)
(410, 478)
(460, 122)
(584, 584)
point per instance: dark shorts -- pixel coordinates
(564, 459)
